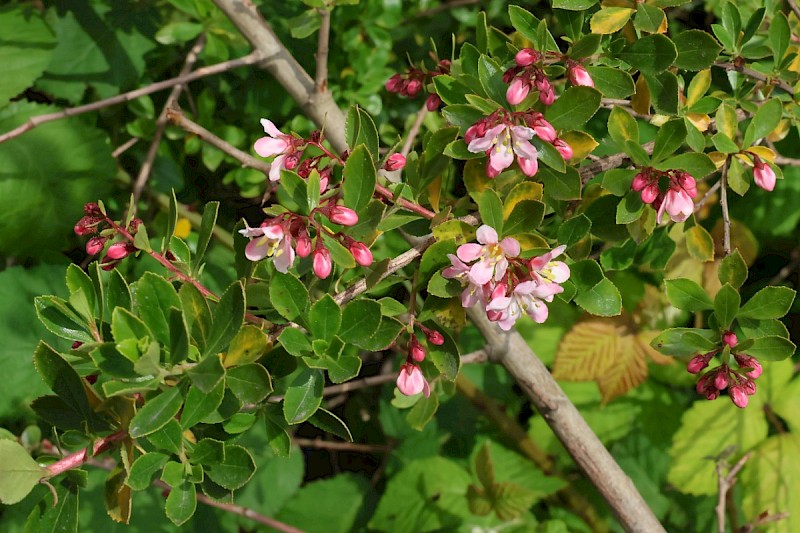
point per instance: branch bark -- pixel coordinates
(319, 106)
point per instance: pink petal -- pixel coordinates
(499, 304)
(268, 147)
(529, 167)
(257, 249)
(510, 246)
(275, 168)
(469, 252)
(284, 257)
(269, 128)
(559, 272)
(501, 157)
(486, 235)
(481, 273)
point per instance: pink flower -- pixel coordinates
(517, 91)
(361, 253)
(411, 381)
(578, 75)
(545, 270)
(564, 149)
(698, 363)
(119, 250)
(738, 396)
(275, 144)
(677, 203)
(730, 338)
(473, 293)
(528, 297)
(394, 162)
(322, 263)
(544, 130)
(763, 174)
(501, 143)
(343, 215)
(491, 255)
(269, 241)
(526, 57)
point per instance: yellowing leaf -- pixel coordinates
(780, 132)
(527, 190)
(640, 101)
(581, 142)
(529, 241)
(763, 152)
(610, 19)
(434, 192)
(699, 120)
(698, 87)
(475, 178)
(699, 243)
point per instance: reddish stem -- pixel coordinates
(405, 204)
(74, 460)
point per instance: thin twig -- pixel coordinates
(787, 161)
(122, 148)
(75, 460)
(414, 131)
(723, 202)
(756, 76)
(225, 66)
(793, 6)
(382, 191)
(725, 483)
(321, 80)
(710, 192)
(363, 383)
(161, 122)
(342, 446)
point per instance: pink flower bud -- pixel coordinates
(517, 91)
(578, 75)
(746, 361)
(394, 84)
(92, 209)
(688, 183)
(738, 396)
(302, 246)
(526, 57)
(118, 250)
(434, 337)
(730, 339)
(749, 387)
(322, 263)
(650, 193)
(548, 96)
(509, 74)
(76, 345)
(411, 381)
(417, 351)
(413, 88)
(704, 384)
(697, 363)
(544, 130)
(343, 215)
(95, 245)
(86, 226)
(721, 379)
(476, 130)
(639, 182)
(290, 161)
(361, 253)
(108, 264)
(564, 149)
(395, 162)
(433, 102)
(323, 184)
(763, 174)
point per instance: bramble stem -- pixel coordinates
(75, 460)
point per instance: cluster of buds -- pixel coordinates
(763, 174)
(96, 223)
(676, 201)
(503, 284)
(527, 74)
(411, 381)
(504, 135)
(414, 80)
(287, 149)
(740, 383)
(287, 236)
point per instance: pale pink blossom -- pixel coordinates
(763, 174)
(472, 293)
(269, 241)
(677, 203)
(526, 57)
(545, 270)
(490, 254)
(529, 298)
(276, 143)
(501, 143)
(410, 381)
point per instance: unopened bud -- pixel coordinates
(517, 91)
(92, 209)
(413, 88)
(738, 396)
(302, 246)
(395, 162)
(361, 253)
(730, 339)
(290, 161)
(118, 250)
(322, 263)
(417, 351)
(639, 182)
(578, 75)
(526, 57)
(95, 245)
(650, 193)
(86, 226)
(394, 84)
(563, 148)
(343, 215)
(433, 102)
(697, 363)
(434, 337)
(721, 379)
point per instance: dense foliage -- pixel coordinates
(248, 310)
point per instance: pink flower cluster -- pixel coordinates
(504, 135)
(527, 74)
(411, 381)
(287, 236)
(96, 223)
(740, 383)
(411, 83)
(503, 284)
(676, 201)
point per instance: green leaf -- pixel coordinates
(19, 473)
(663, 90)
(178, 338)
(574, 229)
(169, 438)
(618, 181)
(527, 25)
(207, 224)
(769, 302)
(207, 373)
(726, 305)
(779, 36)
(181, 502)
(295, 342)
(491, 210)
(685, 341)
(733, 270)
(330, 423)
(622, 127)
(558, 186)
(277, 436)
(651, 54)
(125, 325)
(324, 318)
(526, 216)
(698, 165)
(340, 255)
(699, 243)
(573, 5)
(612, 82)
(26, 56)
(648, 18)
(156, 413)
(697, 50)
(228, 318)
(423, 412)
(200, 405)
(154, 297)
(303, 396)
(610, 19)
(360, 129)
(249, 344)
(687, 295)
(573, 108)
(359, 179)
(490, 75)
(585, 47)
(669, 138)
(82, 294)
(64, 381)
(764, 122)
(772, 348)
(250, 383)
(293, 192)
(236, 470)
(602, 300)
(197, 314)
(630, 208)
(724, 144)
(338, 503)
(144, 470)
(59, 318)
(288, 295)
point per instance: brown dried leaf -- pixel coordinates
(629, 370)
(587, 350)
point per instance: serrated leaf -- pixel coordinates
(769, 302)
(324, 318)
(303, 396)
(156, 413)
(249, 344)
(685, 341)
(228, 318)
(359, 179)
(19, 473)
(144, 470)
(573, 108)
(733, 270)
(250, 383)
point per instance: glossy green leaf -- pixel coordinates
(526, 216)
(630, 208)
(618, 181)
(622, 126)
(156, 413)
(611, 82)
(330, 423)
(764, 122)
(360, 129)
(669, 138)
(303, 397)
(197, 314)
(733, 270)
(573, 108)
(602, 300)
(359, 179)
(59, 318)
(360, 320)
(249, 344)
(64, 381)
(324, 318)
(652, 54)
(154, 297)
(235, 470)
(207, 373)
(181, 502)
(169, 438)
(664, 89)
(685, 341)
(648, 18)
(228, 318)
(200, 405)
(250, 383)
(574, 229)
(687, 295)
(697, 50)
(726, 305)
(144, 470)
(779, 36)
(772, 348)
(698, 165)
(769, 302)
(207, 224)
(289, 296)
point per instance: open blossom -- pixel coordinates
(763, 174)
(490, 253)
(545, 270)
(411, 381)
(501, 143)
(677, 201)
(473, 292)
(278, 144)
(269, 241)
(527, 297)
